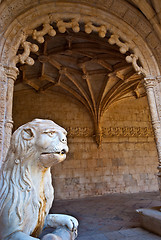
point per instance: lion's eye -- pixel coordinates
(51, 134)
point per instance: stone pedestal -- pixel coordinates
(151, 219)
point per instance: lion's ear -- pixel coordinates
(27, 133)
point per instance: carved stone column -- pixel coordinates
(150, 89)
(3, 92)
(10, 75)
(158, 95)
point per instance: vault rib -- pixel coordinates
(67, 74)
(87, 78)
(76, 95)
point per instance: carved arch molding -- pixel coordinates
(119, 66)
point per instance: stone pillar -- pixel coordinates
(158, 95)
(8, 75)
(3, 92)
(150, 83)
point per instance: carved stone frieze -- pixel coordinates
(112, 132)
(79, 132)
(128, 132)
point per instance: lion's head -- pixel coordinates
(43, 138)
(34, 148)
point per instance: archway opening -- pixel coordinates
(84, 84)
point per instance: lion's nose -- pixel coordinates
(62, 137)
(64, 140)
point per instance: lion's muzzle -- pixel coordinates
(49, 159)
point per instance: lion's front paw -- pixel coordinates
(71, 223)
(55, 220)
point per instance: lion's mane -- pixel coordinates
(16, 185)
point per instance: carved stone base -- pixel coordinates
(151, 219)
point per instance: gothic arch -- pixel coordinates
(65, 15)
(24, 25)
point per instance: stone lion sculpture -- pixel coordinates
(26, 192)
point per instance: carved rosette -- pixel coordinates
(74, 24)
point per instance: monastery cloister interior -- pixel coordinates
(93, 67)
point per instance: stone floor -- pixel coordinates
(110, 217)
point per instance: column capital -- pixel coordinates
(149, 82)
(11, 72)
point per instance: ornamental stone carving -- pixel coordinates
(26, 191)
(112, 132)
(57, 23)
(74, 24)
(149, 82)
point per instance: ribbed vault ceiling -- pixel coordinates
(85, 67)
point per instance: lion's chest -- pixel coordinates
(41, 218)
(45, 201)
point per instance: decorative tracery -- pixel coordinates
(74, 24)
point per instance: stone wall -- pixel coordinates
(125, 162)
